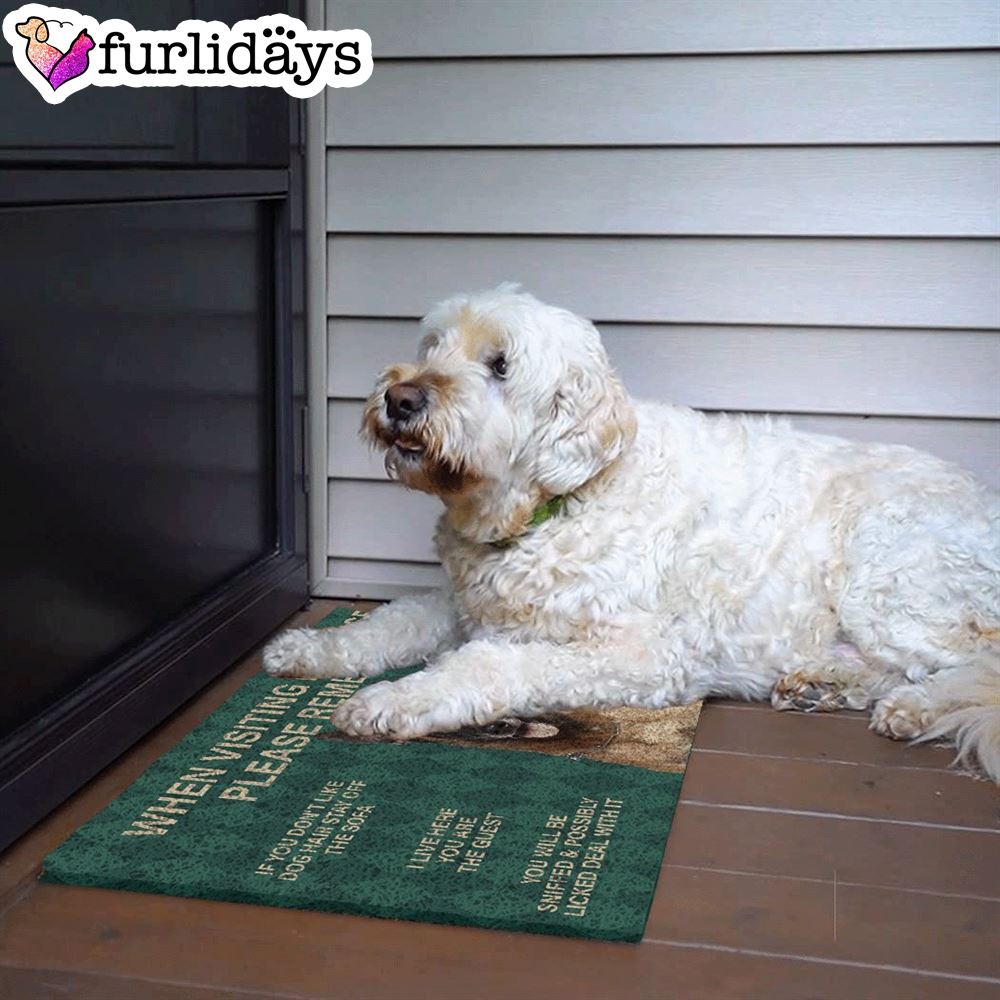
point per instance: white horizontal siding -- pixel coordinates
(973, 444)
(809, 233)
(798, 370)
(801, 191)
(816, 282)
(677, 100)
(371, 518)
(598, 27)
(381, 520)
(377, 579)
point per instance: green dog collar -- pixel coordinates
(543, 513)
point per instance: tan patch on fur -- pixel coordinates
(620, 429)
(451, 483)
(433, 475)
(439, 478)
(622, 425)
(989, 634)
(465, 515)
(441, 387)
(398, 373)
(478, 335)
(629, 426)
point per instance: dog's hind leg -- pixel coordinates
(922, 601)
(398, 634)
(960, 706)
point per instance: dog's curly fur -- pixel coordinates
(695, 555)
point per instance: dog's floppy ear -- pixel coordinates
(592, 423)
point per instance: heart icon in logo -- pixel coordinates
(57, 67)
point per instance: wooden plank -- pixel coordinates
(677, 100)
(921, 858)
(738, 705)
(923, 373)
(48, 984)
(422, 28)
(936, 798)
(847, 191)
(831, 737)
(797, 917)
(308, 954)
(973, 444)
(809, 282)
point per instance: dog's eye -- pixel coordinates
(498, 366)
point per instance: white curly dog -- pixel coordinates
(602, 551)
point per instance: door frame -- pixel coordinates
(51, 756)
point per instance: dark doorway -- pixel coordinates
(150, 405)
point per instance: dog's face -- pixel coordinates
(33, 29)
(508, 395)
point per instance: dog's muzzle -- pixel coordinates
(403, 401)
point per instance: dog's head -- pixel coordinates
(511, 402)
(33, 29)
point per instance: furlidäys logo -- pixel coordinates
(60, 51)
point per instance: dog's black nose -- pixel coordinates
(404, 399)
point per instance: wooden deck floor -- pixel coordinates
(808, 858)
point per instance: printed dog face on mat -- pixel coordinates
(654, 739)
(510, 402)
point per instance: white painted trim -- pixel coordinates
(316, 318)
(367, 590)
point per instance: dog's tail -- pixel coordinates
(973, 724)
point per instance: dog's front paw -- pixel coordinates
(295, 653)
(310, 652)
(391, 710)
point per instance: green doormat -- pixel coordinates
(264, 803)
